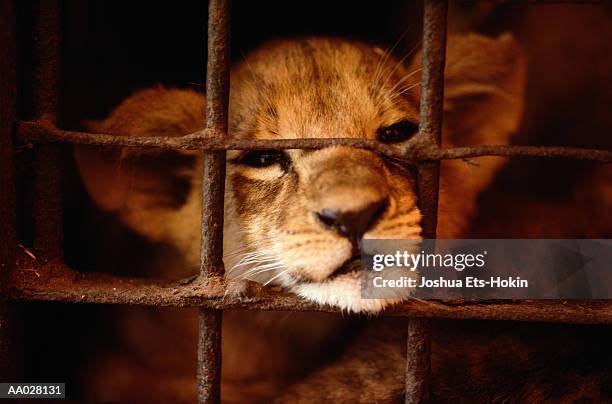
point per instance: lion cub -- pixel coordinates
(295, 217)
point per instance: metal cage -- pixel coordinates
(47, 278)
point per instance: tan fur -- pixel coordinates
(314, 88)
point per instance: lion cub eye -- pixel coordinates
(263, 158)
(398, 132)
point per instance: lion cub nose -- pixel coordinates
(354, 223)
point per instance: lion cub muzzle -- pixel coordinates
(349, 191)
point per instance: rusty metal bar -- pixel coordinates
(213, 194)
(417, 361)
(428, 173)
(48, 215)
(209, 356)
(432, 94)
(8, 94)
(217, 92)
(55, 281)
(210, 139)
(8, 220)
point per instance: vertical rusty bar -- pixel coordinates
(209, 356)
(418, 361)
(213, 192)
(217, 92)
(8, 220)
(430, 131)
(432, 94)
(48, 214)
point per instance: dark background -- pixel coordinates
(114, 47)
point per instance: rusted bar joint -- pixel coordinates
(210, 139)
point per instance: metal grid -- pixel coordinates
(48, 278)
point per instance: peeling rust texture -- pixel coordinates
(428, 176)
(47, 206)
(418, 363)
(211, 249)
(8, 220)
(213, 195)
(208, 139)
(54, 281)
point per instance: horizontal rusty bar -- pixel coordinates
(35, 132)
(57, 282)
(576, 153)
(206, 139)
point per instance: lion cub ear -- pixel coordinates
(485, 80)
(484, 85)
(144, 186)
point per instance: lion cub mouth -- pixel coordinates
(343, 289)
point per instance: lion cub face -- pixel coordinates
(304, 212)
(295, 218)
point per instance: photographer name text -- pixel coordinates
(468, 282)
